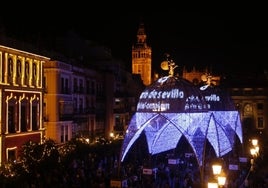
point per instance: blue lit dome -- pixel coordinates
(172, 108)
(171, 94)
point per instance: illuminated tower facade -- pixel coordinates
(142, 57)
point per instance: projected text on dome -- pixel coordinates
(153, 106)
(172, 94)
(158, 100)
(212, 97)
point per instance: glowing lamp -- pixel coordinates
(213, 185)
(253, 151)
(254, 142)
(216, 168)
(221, 179)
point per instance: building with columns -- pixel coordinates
(60, 97)
(21, 100)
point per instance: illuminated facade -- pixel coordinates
(252, 103)
(81, 102)
(70, 102)
(58, 104)
(21, 100)
(142, 57)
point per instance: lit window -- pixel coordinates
(18, 68)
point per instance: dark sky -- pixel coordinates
(222, 39)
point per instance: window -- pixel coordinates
(64, 133)
(66, 86)
(23, 119)
(11, 155)
(260, 106)
(34, 70)
(18, 68)
(260, 124)
(11, 119)
(35, 122)
(62, 85)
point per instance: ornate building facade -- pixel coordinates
(252, 103)
(21, 100)
(44, 99)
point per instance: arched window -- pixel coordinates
(11, 118)
(34, 70)
(18, 68)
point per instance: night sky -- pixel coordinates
(225, 40)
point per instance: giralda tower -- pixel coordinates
(142, 57)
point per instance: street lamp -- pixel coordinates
(216, 169)
(221, 179)
(219, 176)
(254, 152)
(254, 142)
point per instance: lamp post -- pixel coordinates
(219, 177)
(254, 152)
(216, 168)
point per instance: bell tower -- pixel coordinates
(142, 57)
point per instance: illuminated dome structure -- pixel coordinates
(172, 108)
